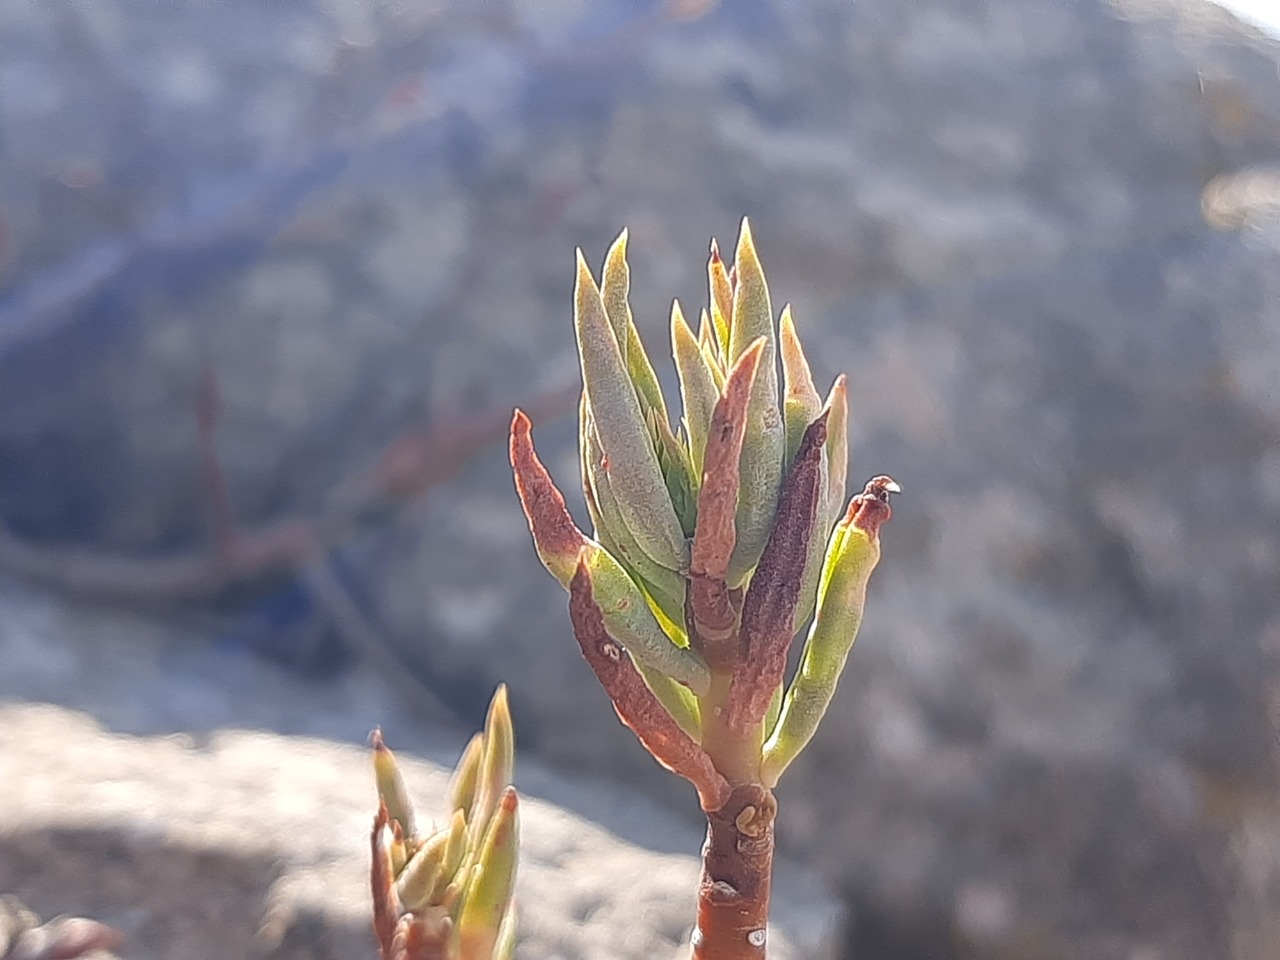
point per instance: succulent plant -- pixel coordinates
(445, 893)
(713, 545)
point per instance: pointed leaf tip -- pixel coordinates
(620, 390)
(615, 288)
(391, 788)
(870, 510)
(555, 534)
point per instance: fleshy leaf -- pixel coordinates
(715, 536)
(386, 904)
(648, 390)
(416, 882)
(852, 555)
(762, 449)
(664, 586)
(721, 301)
(615, 289)
(466, 775)
(497, 764)
(635, 704)
(629, 457)
(698, 389)
(675, 698)
(768, 610)
(455, 852)
(631, 623)
(492, 882)
(711, 612)
(677, 470)
(801, 402)
(837, 407)
(391, 788)
(555, 536)
(505, 948)
(712, 355)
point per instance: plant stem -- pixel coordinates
(736, 757)
(737, 859)
(733, 891)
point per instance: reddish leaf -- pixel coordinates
(386, 905)
(870, 509)
(634, 702)
(710, 612)
(768, 610)
(713, 537)
(555, 535)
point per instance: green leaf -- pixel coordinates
(391, 788)
(675, 698)
(505, 948)
(466, 776)
(762, 447)
(851, 557)
(801, 402)
(615, 290)
(630, 622)
(496, 765)
(677, 471)
(698, 389)
(489, 888)
(629, 457)
(664, 585)
(721, 303)
(418, 879)
(837, 407)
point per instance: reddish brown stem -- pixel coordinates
(733, 891)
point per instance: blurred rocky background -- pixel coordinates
(273, 275)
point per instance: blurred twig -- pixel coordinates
(411, 464)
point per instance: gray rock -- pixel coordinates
(187, 823)
(1003, 219)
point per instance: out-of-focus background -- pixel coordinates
(272, 276)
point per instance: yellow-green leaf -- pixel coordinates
(629, 456)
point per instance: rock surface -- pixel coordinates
(187, 823)
(1060, 735)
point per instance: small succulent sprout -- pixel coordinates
(711, 549)
(448, 893)
(852, 554)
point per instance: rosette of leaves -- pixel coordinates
(715, 541)
(446, 893)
